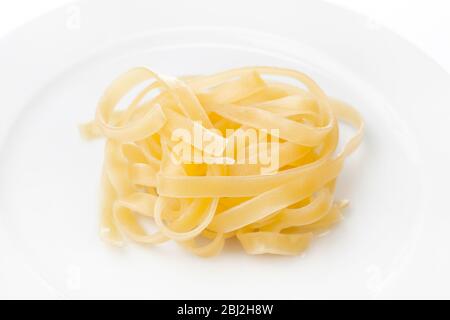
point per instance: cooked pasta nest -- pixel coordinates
(200, 205)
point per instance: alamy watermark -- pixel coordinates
(73, 20)
(250, 146)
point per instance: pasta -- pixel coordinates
(242, 154)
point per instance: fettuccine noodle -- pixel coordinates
(273, 211)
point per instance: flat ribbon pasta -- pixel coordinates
(219, 190)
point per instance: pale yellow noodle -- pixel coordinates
(273, 212)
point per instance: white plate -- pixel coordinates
(394, 242)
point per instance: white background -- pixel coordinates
(424, 22)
